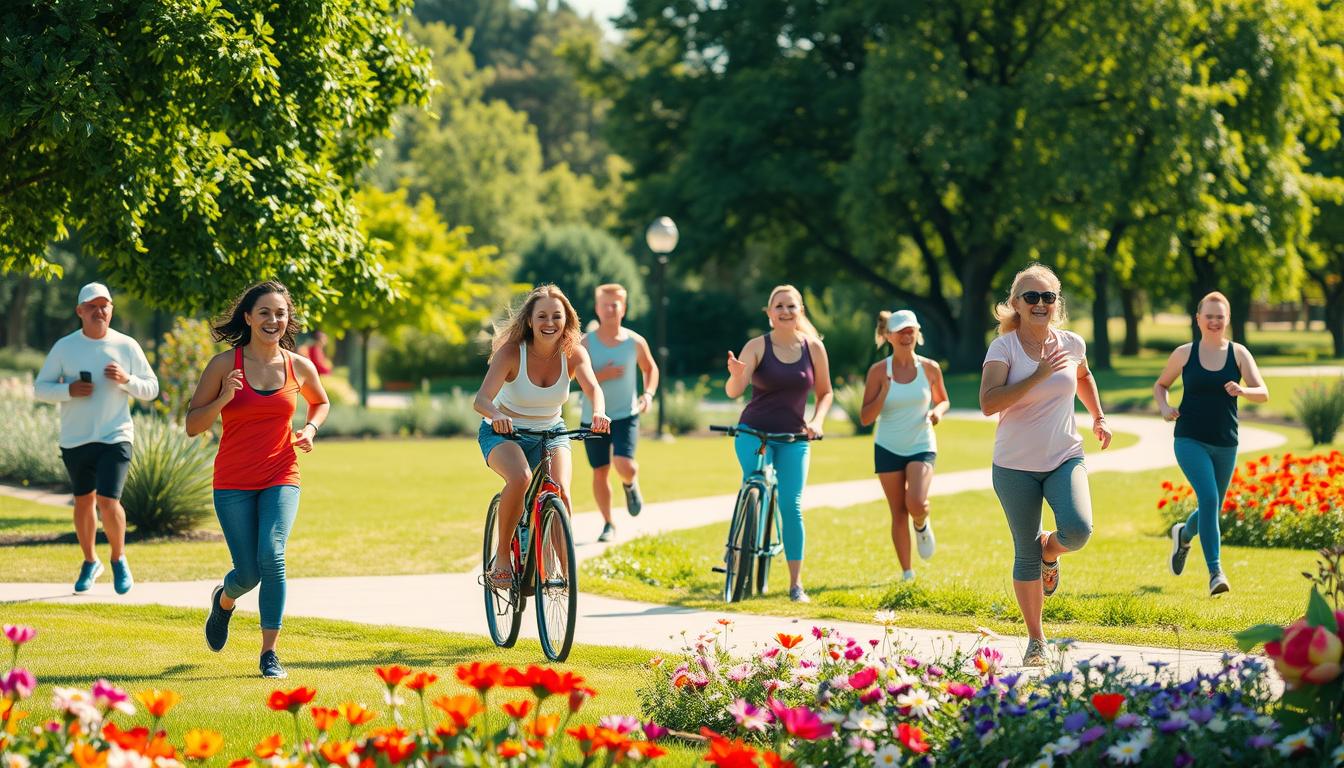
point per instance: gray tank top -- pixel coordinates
(620, 391)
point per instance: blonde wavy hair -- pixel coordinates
(518, 327)
(1008, 318)
(804, 324)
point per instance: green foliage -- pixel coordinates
(578, 259)
(682, 406)
(29, 454)
(221, 144)
(413, 356)
(849, 397)
(180, 358)
(451, 416)
(21, 359)
(169, 488)
(1320, 408)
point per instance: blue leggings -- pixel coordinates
(1209, 470)
(256, 525)
(790, 462)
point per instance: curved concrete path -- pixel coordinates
(452, 602)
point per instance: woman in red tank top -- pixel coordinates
(254, 388)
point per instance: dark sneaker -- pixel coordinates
(270, 666)
(122, 581)
(797, 595)
(1179, 549)
(1218, 584)
(634, 501)
(217, 623)
(608, 531)
(88, 573)
(1034, 656)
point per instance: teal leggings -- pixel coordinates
(1209, 470)
(790, 462)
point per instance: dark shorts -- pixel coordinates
(98, 467)
(624, 435)
(886, 461)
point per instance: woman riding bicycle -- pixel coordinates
(783, 366)
(532, 359)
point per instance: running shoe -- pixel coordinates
(1049, 577)
(88, 573)
(1034, 656)
(217, 623)
(1179, 549)
(797, 595)
(608, 532)
(122, 581)
(908, 576)
(1218, 584)
(634, 500)
(924, 540)
(270, 666)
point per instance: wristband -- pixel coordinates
(314, 426)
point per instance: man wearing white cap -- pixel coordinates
(93, 373)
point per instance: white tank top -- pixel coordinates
(903, 426)
(540, 405)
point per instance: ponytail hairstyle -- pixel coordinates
(1220, 298)
(880, 336)
(518, 327)
(232, 328)
(1007, 315)
(804, 324)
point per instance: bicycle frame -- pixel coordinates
(538, 491)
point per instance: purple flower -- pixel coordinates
(1260, 741)
(1201, 715)
(653, 731)
(1075, 722)
(872, 696)
(819, 633)
(750, 717)
(1016, 710)
(1183, 759)
(1127, 720)
(1092, 734)
(936, 671)
(911, 662)
(19, 682)
(1171, 726)
(1010, 680)
(984, 726)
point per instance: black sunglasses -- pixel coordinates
(1034, 297)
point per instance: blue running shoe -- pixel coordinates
(122, 581)
(270, 666)
(88, 573)
(217, 623)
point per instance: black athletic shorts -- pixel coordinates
(99, 467)
(885, 461)
(622, 440)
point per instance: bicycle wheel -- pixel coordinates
(739, 557)
(557, 581)
(503, 609)
(764, 559)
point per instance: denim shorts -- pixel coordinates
(621, 441)
(489, 439)
(885, 461)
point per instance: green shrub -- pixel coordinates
(421, 417)
(849, 397)
(413, 356)
(185, 350)
(1320, 408)
(350, 421)
(20, 359)
(29, 453)
(168, 490)
(579, 258)
(682, 406)
(457, 415)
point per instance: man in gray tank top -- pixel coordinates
(616, 351)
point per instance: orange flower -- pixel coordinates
(356, 714)
(585, 735)
(398, 749)
(392, 675)
(201, 744)
(88, 756)
(1108, 704)
(421, 680)
(773, 760)
(242, 762)
(645, 750)
(461, 709)
(788, 641)
(159, 747)
(269, 746)
(578, 696)
(290, 701)
(545, 726)
(158, 702)
(337, 752)
(446, 729)
(728, 754)
(517, 709)
(480, 676)
(134, 739)
(510, 749)
(325, 717)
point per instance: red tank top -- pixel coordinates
(256, 450)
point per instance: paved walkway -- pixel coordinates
(452, 602)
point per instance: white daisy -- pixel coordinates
(1295, 742)
(1127, 752)
(862, 720)
(888, 754)
(918, 700)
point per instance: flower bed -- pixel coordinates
(1297, 503)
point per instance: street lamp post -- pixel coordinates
(661, 237)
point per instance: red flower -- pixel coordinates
(788, 641)
(134, 739)
(728, 754)
(290, 701)
(800, 721)
(460, 708)
(1108, 704)
(517, 709)
(862, 679)
(325, 717)
(421, 680)
(510, 749)
(480, 676)
(392, 675)
(912, 738)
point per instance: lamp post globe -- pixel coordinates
(661, 237)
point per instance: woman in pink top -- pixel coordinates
(1032, 373)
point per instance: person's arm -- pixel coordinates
(220, 381)
(741, 368)
(938, 390)
(310, 385)
(48, 386)
(875, 387)
(996, 393)
(1258, 391)
(582, 366)
(649, 367)
(821, 385)
(141, 383)
(1162, 387)
(504, 362)
(1091, 397)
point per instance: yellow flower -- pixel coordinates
(201, 743)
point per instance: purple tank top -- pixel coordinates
(779, 392)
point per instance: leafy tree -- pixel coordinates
(578, 259)
(217, 140)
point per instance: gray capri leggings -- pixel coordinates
(1020, 492)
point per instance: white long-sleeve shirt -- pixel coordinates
(104, 416)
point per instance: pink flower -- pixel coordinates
(863, 678)
(960, 690)
(769, 654)
(108, 696)
(873, 696)
(750, 717)
(800, 721)
(855, 652)
(987, 662)
(18, 634)
(621, 724)
(654, 731)
(740, 672)
(19, 682)
(1306, 654)
(773, 685)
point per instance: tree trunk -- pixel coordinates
(364, 368)
(1240, 296)
(16, 320)
(968, 348)
(1129, 303)
(1334, 312)
(1099, 356)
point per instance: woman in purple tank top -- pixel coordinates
(783, 367)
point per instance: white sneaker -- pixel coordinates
(908, 576)
(924, 540)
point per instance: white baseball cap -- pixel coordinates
(94, 291)
(900, 320)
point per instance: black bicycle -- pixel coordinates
(543, 565)
(754, 536)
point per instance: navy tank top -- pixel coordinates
(1208, 413)
(779, 392)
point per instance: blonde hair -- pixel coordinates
(805, 325)
(1009, 319)
(880, 337)
(615, 288)
(1219, 297)
(517, 329)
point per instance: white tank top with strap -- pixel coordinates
(903, 426)
(539, 407)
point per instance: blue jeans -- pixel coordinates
(256, 525)
(790, 462)
(1209, 470)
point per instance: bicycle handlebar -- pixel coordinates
(782, 437)
(550, 434)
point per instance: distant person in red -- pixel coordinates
(313, 350)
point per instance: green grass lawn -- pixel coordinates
(140, 647)
(416, 506)
(1118, 589)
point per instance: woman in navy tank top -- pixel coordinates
(783, 367)
(1211, 371)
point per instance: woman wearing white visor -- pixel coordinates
(905, 394)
